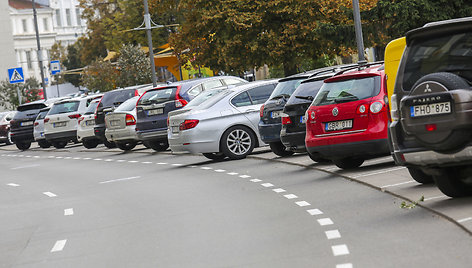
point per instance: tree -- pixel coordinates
(133, 66)
(58, 52)
(73, 62)
(29, 91)
(100, 76)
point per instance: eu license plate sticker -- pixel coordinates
(430, 109)
(303, 119)
(155, 111)
(338, 125)
(275, 114)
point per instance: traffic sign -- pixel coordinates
(15, 75)
(55, 67)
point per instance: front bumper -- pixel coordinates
(270, 132)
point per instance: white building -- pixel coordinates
(7, 52)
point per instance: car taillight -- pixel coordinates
(394, 108)
(430, 127)
(286, 120)
(188, 124)
(179, 102)
(36, 123)
(261, 111)
(136, 93)
(376, 107)
(46, 119)
(167, 121)
(130, 120)
(75, 116)
(362, 109)
(80, 120)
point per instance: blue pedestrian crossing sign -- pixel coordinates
(15, 75)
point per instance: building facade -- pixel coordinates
(7, 51)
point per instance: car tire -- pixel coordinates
(317, 158)
(418, 175)
(215, 156)
(23, 145)
(59, 144)
(157, 146)
(348, 163)
(90, 144)
(9, 141)
(126, 146)
(44, 144)
(455, 181)
(279, 149)
(109, 145)
(237, 142)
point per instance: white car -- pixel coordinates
(38, 130)
(60, 124)
(121, 125)
(86, 123)
(224, 125)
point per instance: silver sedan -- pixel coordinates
(223, 124)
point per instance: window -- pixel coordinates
(29, 63)
(45, 25)
(58, 17)
(260, 94)
(78, 15)
(64, 107)
(232, 81)
(212, 84)
(25, 26)
(195, 91)
(241, 100)
(68, 19)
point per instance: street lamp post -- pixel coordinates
(147, 23)
(40, 54)
(358, 28)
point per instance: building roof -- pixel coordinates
(23, 4)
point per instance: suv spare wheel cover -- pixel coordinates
(433, 88)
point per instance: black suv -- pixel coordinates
(431, 108)
(21, 126)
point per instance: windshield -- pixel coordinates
(128, 105)
(451, 53)
(347, 90)
(92, 107)
(64, 107)
(158, 96)
(305, 92)
(205, 95)
(286, 88)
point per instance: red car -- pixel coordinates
(348, 119)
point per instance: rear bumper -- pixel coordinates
(293, 141)
(193, 142)
(66, 135)
(22, 135)
(365, 149)
(99, 132)
(125, 134)
(155, 134)
(85, 134)
(270, 132)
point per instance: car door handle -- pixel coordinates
(250, 110)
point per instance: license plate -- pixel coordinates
(303, 119)
(155, 111)
(59, 124)
(29, 123)
(338, 125)
(90, 122)
(276, 114)
(114, 123)
(175, 129)
(430, 109)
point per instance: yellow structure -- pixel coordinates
(393, 55)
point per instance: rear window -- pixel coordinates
(64, 107)
(42, 115)
(92, 107)
(451, 53)
(286, 88)
(347, 90)
(304, 90)
(115, 98)
(27, 107)
(128, 105)
(158, 96)
(205, 95)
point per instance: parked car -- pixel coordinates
(5, 119)
(108, 103)
(38, 130)
(121, 125)
(270, 122)
(224, 125)
(21, 126)
(154, 105)
(60, 124)
(86, 124)
(431, 106)
(348, 119)
(292, 133)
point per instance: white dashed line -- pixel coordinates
(64, 157)
(97, 159)
(59, 246)
(332, 234)
(344, 265)
(232, 173)
(161, 163)
(434, 197)
(290, 196)
(177, 165)
(49, 194)
(57, 157)
(133, 161)
(302, 203)
(192, 166)
(267, 185)
(122, 179)
(51, 156)
(146, 162)
(29, 166)
(397, 184)
(86, 158)
(68, 212)
(206, 168)
(13, 184)
(314, 212)
(278, 190)
(465, 219)
(220, 170)
(120, 161)
(36, 156)
(339, 250)
(77, 158)
(255, 180)
(378, 172)
(108, 160)
(28, 156)
(325, 221)
(244, 176)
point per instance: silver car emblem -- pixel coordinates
(427, 89)
(335, 111)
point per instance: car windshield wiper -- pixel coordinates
(284, 96)
(346, 99)
(310, 98)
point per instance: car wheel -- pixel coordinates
(214, 156)
(126, 146)
(317, 158)
(23, 145)
(44, 144)
(109, 145)
(279, 149)
(418, 175)
(59, 144)
(90, 144)
(455, 182)
(158, 146)
(237, 142)
(348, 163)
(9, 141)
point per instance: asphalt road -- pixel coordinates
(82, 208)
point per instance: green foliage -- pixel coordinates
(29, 91)
(410, 205)
(133, 66)
(73, 62)
(100, 76)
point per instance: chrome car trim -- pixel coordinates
(341, 133)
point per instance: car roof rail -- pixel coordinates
(334, 69)
(360, 66)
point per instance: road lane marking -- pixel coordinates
(64, 157)
(77, 158)
(97, 159)
(220, 170)
(37, 156)
(59, 245)
(434, 197)
(120, 160)
(464, 220)
(133, 161)
(267, 185)
(51, 156)
(161, 163)
(177, 165)
(206, 168)
(59, 157)
(290, 196)
(302, 203)
(340, 250)
(325, 221)
(68, 212)
(397, 184)
(344, 265)
(122, 179)
(278, 190)
(232, 173)
(378, 172)
(28, 156)
(255, 180)
(108, 160)
(49, 194)
(244, 176)
(29, 166)
(192, 166)
(13, 184)
(314, 212)
(332, 234)
(146, 162)
(86, 158)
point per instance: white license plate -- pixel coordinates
(155, 111)
(338, 125)
(430, 109)
(175, 129)
(303, 119)
(90, 122)
(59, 124)
(29, 123)
(276, 114)
(114, 123)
